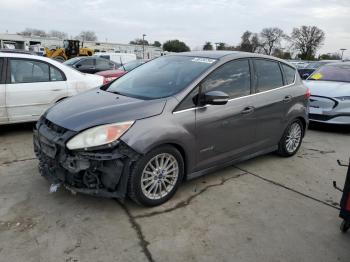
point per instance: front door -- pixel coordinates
(32, 86)
(226, 132)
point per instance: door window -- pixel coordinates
(28, 71)
(102, 63)
(86, 62)
(55, 74)
(233, 78)
(289, 73)
(267, 75)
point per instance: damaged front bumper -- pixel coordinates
(102, 172)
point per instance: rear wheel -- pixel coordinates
(156, 176)
(291, 139)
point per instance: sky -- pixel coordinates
(191, 21)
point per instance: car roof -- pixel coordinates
(227, 54)
(20, 55)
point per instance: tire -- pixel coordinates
(291, 139)
(344, 227)
(153, 178)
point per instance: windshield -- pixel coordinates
(72, 61)
(332, 72)
(161, 77)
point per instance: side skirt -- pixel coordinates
(231, 162)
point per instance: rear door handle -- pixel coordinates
(56, 90)
(248, 110)
(287, 99)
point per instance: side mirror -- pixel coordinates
(214, 98)
(304, 76)
(78, 65)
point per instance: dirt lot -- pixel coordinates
(266, 209)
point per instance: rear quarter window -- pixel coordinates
(289, 73)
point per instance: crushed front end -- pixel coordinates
(102, 172)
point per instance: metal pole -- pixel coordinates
(143, 46)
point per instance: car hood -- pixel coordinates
(97, 107)
(328, 88)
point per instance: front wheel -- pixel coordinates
(156, 176)
(291, 139)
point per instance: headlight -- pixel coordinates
(343, 98)
(99, 135)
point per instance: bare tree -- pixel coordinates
(270, 38)
(306, 40)
(58, 34)
(87, 36)
(33, 32)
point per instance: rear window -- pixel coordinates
(332, 72)
(268, 75)
(289, 73)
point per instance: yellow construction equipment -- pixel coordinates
(70, 49)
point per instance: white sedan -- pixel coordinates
(30, 84)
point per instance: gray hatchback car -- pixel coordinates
(174, 118)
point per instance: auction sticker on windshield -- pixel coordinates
(203, 60)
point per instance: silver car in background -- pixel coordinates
(330, 94)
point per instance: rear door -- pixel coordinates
(225, 132)
(32, 87)
(3, 112)
(272, 100)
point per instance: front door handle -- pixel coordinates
(248, 110)
(287, 99)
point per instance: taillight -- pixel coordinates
(308, 93)
(108, 79)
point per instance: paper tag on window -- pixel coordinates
(203, 60)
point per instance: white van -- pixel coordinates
(117, 57)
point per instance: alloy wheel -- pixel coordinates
(159, 176)
(294, 137)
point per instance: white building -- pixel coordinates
(23, 42)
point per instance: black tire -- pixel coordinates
(282, 145)
(345, 226)
(135, 191)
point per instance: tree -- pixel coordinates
(175, 46)
(249, 42)
(306, 40)
(87, 36)
(208, 46)
(33, 32)
(334, 56)
(58, 34)
(139, 41)
(270, 38)
(221, 46)
(278, 52)
(157, 44)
